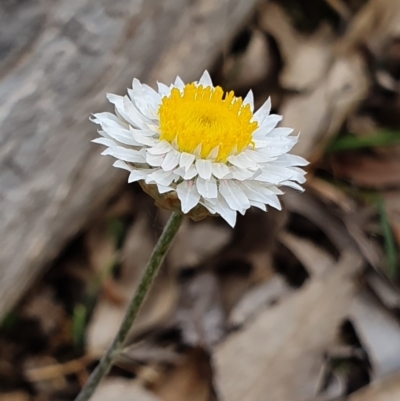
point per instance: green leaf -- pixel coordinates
(352, 142)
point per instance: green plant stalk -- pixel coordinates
(389, 241)
(150, 272)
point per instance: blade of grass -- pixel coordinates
(9, 321)
(83, 311)
(389, 241)
(351, 142)
(79, 326)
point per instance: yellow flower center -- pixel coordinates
(204, 116)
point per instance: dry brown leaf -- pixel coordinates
(120, 389)
(331, 194)
(316, 260)
(257, 298)
(195, 242)
(190, 380)
(44, 307)
(331, 85)
(368, 171)
(15, 396)
(376, 23)
(387, 389)
(318, 114)
(379, 334)
(251, 67)
(100, 246)
(200, 314)
(298, 50)
(312, 209)
(356, 227)
(279, 354)
(384, 289)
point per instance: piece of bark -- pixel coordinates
(58, 61)
(279, 355)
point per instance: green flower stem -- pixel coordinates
(150, 272)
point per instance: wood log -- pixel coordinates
(58, 60)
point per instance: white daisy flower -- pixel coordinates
(202, 146)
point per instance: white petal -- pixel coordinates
(197, 150)
(122, 165)
(213, 154)
(122, 135)
(267, 130)
(280, 131)
(171, 160)
(276, 142)
(154, 160)
(222, 208)
(143, 132)
(162, 147)
(179, 83)
(205, 79)
(259, 192)
(160, 177)
(118, 102)
(204, 168)
(190, 173)
(243, 161)
(249, 99)
(137, 118)
(259, 205)
(109, 118)
(274, 150)
(293, 185)
(259, 157)
(128, 155)
(188, 195)
(162, 189)
(180, 171)
(144, 97)
(163, 89)
(124, 110)
(296, 174)
(186, 160)
(207, 204)
(105, 141)
(220, 170)
(276, 175)
(137, 175)
(261, 114)
(241, 174)
(288, 160)
(233, 195)
(144, 107)
(270, 122)
(207, 188)
(144, 139)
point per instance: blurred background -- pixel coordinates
(302, 304)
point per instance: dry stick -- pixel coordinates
(150, 272)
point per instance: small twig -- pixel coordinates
(341, 8)
(60, 369)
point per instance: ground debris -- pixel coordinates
(297, 305)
